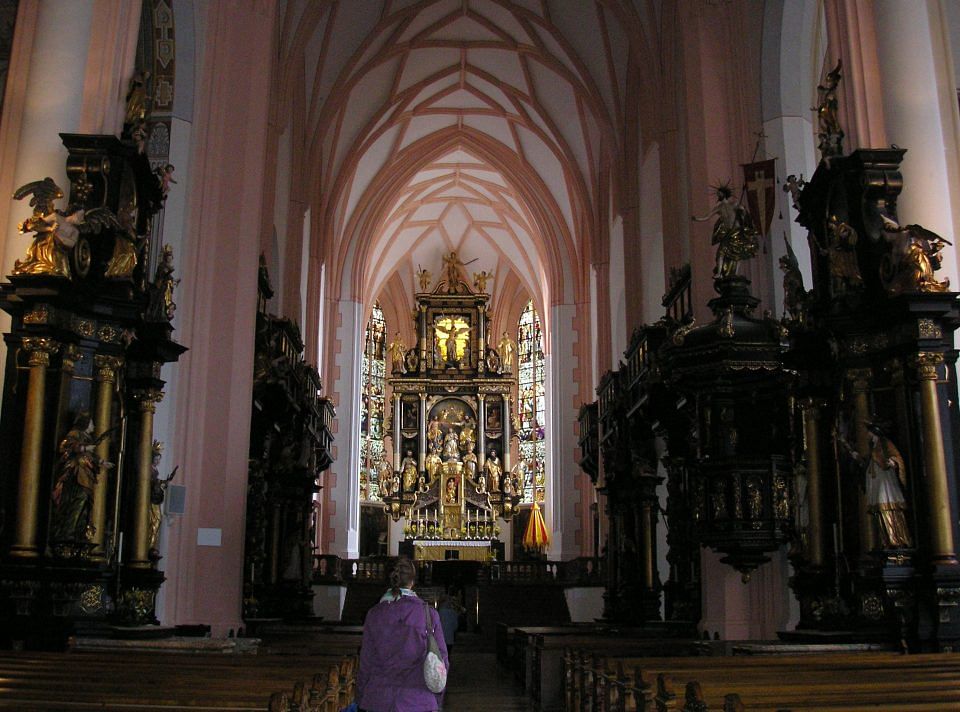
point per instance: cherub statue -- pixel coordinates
(794, 186)
(480, 280)
(165, 174)
(733, 233)
(914, 257)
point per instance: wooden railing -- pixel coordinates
(584, 571)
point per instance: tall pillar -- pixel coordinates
(815, 534)
(506, 433)
(422, 460)
(28, 492)
(920, 111)
(423, 340)
(397, 414)
(482, 431)
(934, 462)
(860, 384)
(140, 548)
(646, 538)
(106, 369)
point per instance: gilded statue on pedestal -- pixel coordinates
(397, 350)
(480, 280)
(78, 466)
(468, 437)
(914, 257)
(432, 463)
(161, 306)
(424, 277)
(733, 233)
(886, 478)
(493, 470)
(794, 294)
(408, 466)
(158, 491)
(455, 279)
(506, 348)
(470, 463)
(828, 125)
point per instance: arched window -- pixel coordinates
(371, 404)
(531, 407)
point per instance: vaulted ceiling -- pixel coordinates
(487, 126)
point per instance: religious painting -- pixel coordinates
(494, 416)
(451, 338)
(408, 414)
(451, 489)
(449, 414)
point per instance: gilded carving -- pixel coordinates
(91, 600)
(83, 327)
(109, 334)
(40, 315)
(929, 329)
(71, 355)
(148, 399)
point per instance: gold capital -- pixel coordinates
(926, 364)
(107, 367)
(148, 399)
(859, 378)
(40, 348)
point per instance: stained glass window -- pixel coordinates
(531, 405)
(372, 404)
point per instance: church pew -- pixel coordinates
(166, 681)
(795, 682)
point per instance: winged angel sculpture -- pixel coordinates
(56, 233)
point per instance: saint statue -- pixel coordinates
(434, 433)
(432, 464)
(914, 257)
(470, 463)
(493, 470)
(158, 492)
(733, 233)
(886, 477)
(397, 351)
(78, 467)
(424, 276)
(451, 447)
(450, 494)
(828, 126)
(384, 471)
(841, 252)
(506, 353)
(408, 466)
(468, 436)
(454, 276)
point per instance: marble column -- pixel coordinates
(920, 110)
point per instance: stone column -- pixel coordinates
(28, 487)
(860, 385)
(920, 110)
(934, 463)
(106, 369)
(140, 547)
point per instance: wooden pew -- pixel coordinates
(173, 681)
(861, 681)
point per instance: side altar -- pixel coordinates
(451, 421)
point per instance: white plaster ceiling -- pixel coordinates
(540, 84)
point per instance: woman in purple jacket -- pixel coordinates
(394, 646)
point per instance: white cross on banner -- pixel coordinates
(760, 181)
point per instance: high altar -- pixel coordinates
(451, 422)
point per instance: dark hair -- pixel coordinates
(402, 575)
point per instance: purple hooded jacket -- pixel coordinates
(390, 678)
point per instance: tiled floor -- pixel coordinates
(477, 683)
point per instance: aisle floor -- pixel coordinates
(477, 683)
